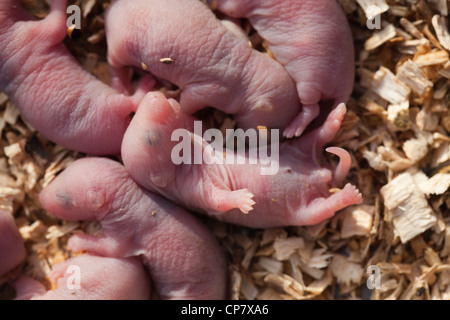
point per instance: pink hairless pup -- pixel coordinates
(182, 257)
(131, 280)
(88, 277)
(312, 39)
(208, 62)
(298, 193)
(12, 249)
(147, 240)
(55, 94)
(211, 65)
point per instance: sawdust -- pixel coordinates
(396, 245)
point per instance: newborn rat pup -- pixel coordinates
(312, 40)
(88, 277)
(55, 94)
(12, 249)
(298, 194)
(212, 66)
(182, 257)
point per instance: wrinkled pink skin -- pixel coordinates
(101, 278)
(183, 258)
(297, 195)
(56, 95)
(211, 65)
(12, 249)
(312, 39)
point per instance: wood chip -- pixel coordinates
(438, 184)
(270, 265)
(248, 290)
(416, 149)
(10, 198)
(440, 27)
(345, 271)
(15, 152)
(287, 284)
(398, 115)
(432, 58)
(372, 8)
(87, 7)
(34, 231)
(380, 37)
(284, 248)
(320, 258)
(166, 60)
(411, 28)
(387, 86)
(318, 287)
(56, 231)
(411, 75)
(11, 114)
(407, 207)
(357, 221)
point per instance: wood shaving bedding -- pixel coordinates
(396, 128)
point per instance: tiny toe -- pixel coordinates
(303, 119)
(247, 206)
(288, 133)
(293, 131)
(246, 209)
(355, 193)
